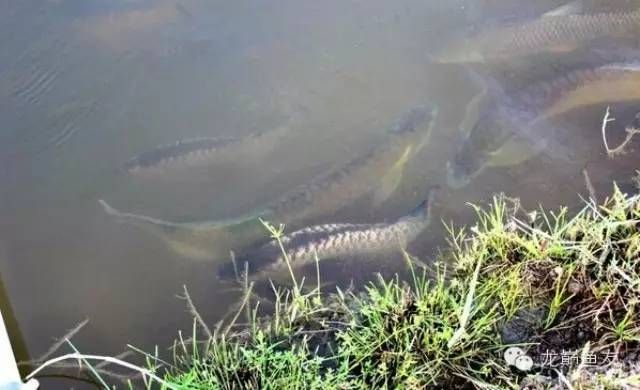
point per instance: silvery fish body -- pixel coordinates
(323, 195)
(337, 188)
(202, 152)
(330, 241)
(517, 115)
(195, 150)
(551, 32)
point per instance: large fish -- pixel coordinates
(378, 171)
(507, 133)
(330, 241)
(187, 154)
(561, 30)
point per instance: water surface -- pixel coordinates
(86, 85)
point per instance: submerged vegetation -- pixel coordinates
(563, 288)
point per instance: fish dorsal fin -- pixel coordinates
(575, 7)
(612, 6)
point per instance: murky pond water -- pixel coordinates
(267, 97)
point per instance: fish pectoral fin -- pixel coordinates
(573, 8)
(190, 250)
(514, 152)
(391, 180)
(390, 183)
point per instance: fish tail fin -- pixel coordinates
(134, 218)
(193, 240)
(108, 209)
(247, 227)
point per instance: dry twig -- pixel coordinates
(589, 185)
(56, 346)
(631, 131)
(194, 312)
(81, 357)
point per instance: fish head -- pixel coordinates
(141, 166)
(479, 147)
(132, 166)
(254, 264)
(464, 166)
(457, 175)
(414, 126)
(415, 120)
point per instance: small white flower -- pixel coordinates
(511, 354)
(524, 363)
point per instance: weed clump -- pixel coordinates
(564, 289)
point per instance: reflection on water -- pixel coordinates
(85, 86)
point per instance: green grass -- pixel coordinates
(573, 280)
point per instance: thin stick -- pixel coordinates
(145, 354)
(194, 312)
(605, 121)
(245, 290)
(55, 347)
(631, 131)
(89, 366)
(563, 379)
(119, 356)
(315, 256)
(232, 255)
(111, 360)
(99, 368)
(235, 318)
(277, 234)
(589, 185)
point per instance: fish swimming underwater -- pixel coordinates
(202, 152)
(561, 30)
(331, 241)
(504, 132)
(378, 171)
